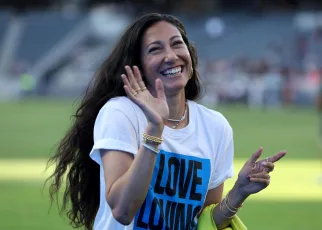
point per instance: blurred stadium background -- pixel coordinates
(260, 60)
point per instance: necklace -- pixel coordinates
(181, 119)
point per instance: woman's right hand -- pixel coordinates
(156, 108)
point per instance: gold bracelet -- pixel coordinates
(222, 212)
(231, 210)
(151, 139)
(232, 207)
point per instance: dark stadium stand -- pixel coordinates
(42, 30)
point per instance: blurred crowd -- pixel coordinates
(258, 83)
(273, 80)
(265, 61)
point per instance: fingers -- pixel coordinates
(277, 156)
(132, 78)
(268, 166)
(159, 89)
(262, 177)
(255, 156)
(129, 93)
(142, 85)
(138, 77)
(137, 74)
(260, 180)
(127, 87)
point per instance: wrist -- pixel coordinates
(154, 130)
(237, 196)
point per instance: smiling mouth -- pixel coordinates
(172, 72)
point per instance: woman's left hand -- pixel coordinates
(254, 176)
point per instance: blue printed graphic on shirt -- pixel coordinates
(176, 193)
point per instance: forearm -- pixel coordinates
(222, 214)
(128, 193)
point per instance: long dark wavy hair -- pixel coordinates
(82, 183)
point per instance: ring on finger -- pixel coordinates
(266, 159)
(134, 93)
(144, 88)
(137, 90)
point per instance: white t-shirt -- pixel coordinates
(192, 160)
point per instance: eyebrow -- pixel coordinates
(158, 42)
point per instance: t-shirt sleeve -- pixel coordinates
(114, 130)
(223, 166)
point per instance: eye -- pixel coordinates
(154, 49)
(178, 42)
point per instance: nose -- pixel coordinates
(170, 56)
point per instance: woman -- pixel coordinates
(158, 158)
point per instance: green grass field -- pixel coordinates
(31, 130)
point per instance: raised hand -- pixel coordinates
(254, 176)
(156, 108)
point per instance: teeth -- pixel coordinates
(172, 71)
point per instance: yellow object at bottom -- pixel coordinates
(206, 222)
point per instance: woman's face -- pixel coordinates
(164, 55)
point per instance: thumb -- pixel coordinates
(159, 89)
(252, 160)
